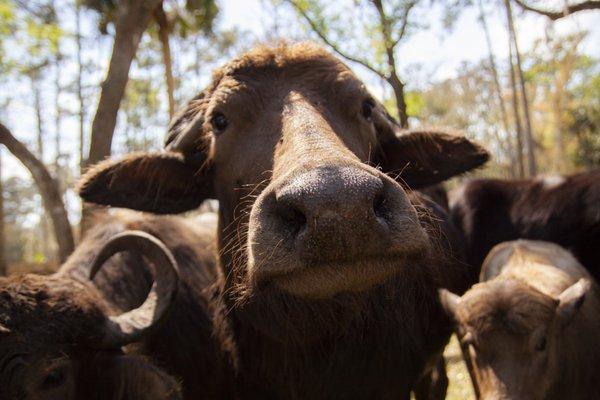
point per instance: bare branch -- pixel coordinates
(48, 187)
(333, 46)
(393, 78)
(568, 10)
(409, 7)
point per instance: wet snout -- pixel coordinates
(340, 222)
(334, 213)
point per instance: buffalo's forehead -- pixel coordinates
(48, 309)
(300, 67)
(303, 57)
(252, 76)
(316, 75)
(506, 306)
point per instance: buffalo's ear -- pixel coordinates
(571, 300)
(161, 183)
(449, 302)
(424, 157)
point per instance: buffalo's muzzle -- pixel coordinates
(330, 216)
(334, 214)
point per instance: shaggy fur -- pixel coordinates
(529, 328)
(59, 315)
(565, 211)
(348, 310)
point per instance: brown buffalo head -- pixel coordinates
(59, 338)
(310, 172)
(513, 336)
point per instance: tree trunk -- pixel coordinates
(515, 105)
(37, 105)
(389, 43)
(80, 98)
(529, 143)
(164, 30)
(559, 150)
(58, 123)
(58, 117)
(51, 198)
(132, 20)
(133, 17)
(398, 88)
(506, 145)
(57, 106)
(44, 230)
(3, 265)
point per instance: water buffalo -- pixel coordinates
(530, 329)
(562, 210)
(328, 265)
(100, 329)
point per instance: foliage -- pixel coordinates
(368, 33)
(199, 15)
(563, 83)
(21, 203)
(34, 29)
(141, 110)
(355, 28)
(7, 27)
(564, 87)
(188, 16)
(584, 121)
(415, 103)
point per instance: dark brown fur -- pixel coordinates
(529, 329)
(60, 315)
(566, 212)
(347, 318)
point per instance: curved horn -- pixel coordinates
(4, 330)
(186, 141)
(132, 325)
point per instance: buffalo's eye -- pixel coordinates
(540, 345)
(367, 109)
(219, 122)
(54, 378)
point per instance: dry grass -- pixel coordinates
(459, 387)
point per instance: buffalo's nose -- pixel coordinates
(334, 213)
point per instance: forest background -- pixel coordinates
(81, 80)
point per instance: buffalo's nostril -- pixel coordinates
(292, 217)
(379, 207)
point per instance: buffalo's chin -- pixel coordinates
(326, 280)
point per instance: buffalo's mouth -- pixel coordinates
(323, 280)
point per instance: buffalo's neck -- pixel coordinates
(382, 350)
(356, 345)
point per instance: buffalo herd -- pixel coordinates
(336, 266)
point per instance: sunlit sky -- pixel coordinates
(438, 51)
